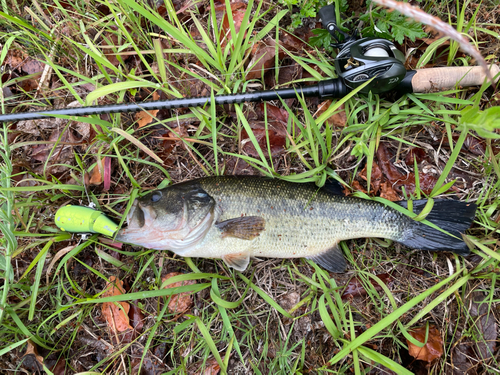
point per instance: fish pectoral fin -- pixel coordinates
(246, 227)
(239, 261)
(331, 259)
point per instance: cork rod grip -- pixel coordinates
(439, 79)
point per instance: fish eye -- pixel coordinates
(156, 196)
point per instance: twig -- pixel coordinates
(420, 16)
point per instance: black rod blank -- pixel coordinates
(332, 88)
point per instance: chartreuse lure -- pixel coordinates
(80, 219)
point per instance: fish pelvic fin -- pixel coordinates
(332, 259)
(453, 216)
(245, 228)
(239, 261)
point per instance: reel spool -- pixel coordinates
(369, 58)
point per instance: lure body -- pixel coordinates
(80, 219)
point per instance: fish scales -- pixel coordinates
(235, 218)
(301, 219)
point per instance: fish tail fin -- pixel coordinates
(453, 216)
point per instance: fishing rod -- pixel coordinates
(358, 61)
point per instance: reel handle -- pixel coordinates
(447, 78)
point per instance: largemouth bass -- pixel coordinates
(236, 218)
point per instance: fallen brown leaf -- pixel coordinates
(15, 58)
(238, 10)
(434, 35)
(263, 53)
(136, 318)
(116, 317)
(211, 367)
(415, 153)
(96, 174)
(338, 119)
(182, 302)
(33, 66)
(144, 118)
(60, 367)
(357, 186)
(289, 300)
(79, 130)
(355, 287)
(150, 365)
(479, 347)
(376, 177)
(398, 179)
(110, 39)
(273, 113)
(32, 349)
(475, 145)
(291, 42)
(432, 350)
(276, 132)
(387, 192)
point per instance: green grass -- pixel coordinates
(242, 321)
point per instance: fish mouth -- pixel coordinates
(138, 218)
(135, 217)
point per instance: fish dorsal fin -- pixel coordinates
(239, 261)
(331, 259)
(245, 228)
(333, 187)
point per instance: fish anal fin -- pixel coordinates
(245, 228)
(331, 259)
(239, 261)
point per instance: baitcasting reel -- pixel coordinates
(360, 60)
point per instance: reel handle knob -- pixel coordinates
(327, 15)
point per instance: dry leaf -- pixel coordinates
(32, 349)
(150, 365)
(211, 367)
(58, 255)
(273, 113)
(276, 132)
(238, 10)
(116, 317)
(96, 174)
(375, 179)
(181, 302)
(15, 58)
(289, 300)
(355, 287)
(434, 35)
(357, 186)
(81, 130)
(136, 318)
(415, 153)
(387, 192)
(431, 350)
(33, 66)
(475, 350)
(60, 367)
(263, 54)
(144, 118)
(398, 179)
(338, 119)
